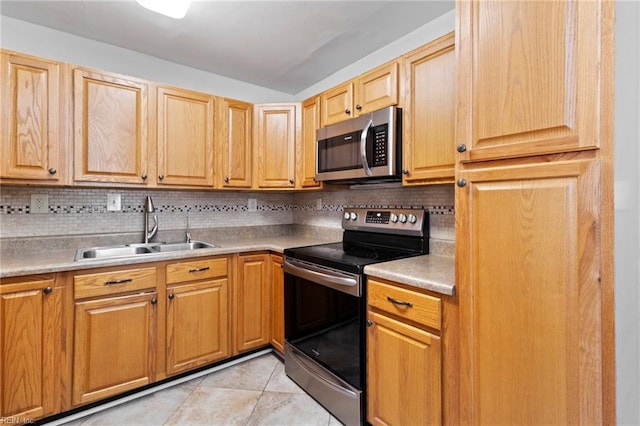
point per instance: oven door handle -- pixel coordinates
(344, 284)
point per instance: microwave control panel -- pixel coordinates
(380, 145)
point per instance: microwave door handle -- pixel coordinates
(363, 148)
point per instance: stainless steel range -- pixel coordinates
(325, 304)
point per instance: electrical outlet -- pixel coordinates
(39, 203)
(319, 204)
(114, 202)
(252, 204)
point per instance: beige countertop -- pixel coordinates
(431, 272)
(63, 260)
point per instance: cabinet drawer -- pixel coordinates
(416, 307)
(196, 270)
(106, 283)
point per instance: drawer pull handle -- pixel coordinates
(399, 302)
(128, 280)
(206, 268)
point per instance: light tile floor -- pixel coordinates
(254, 392)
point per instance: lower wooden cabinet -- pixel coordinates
(32, 348)
(197, 314)
(404, 357)
(114, 345)
(277, 303)
(252, 302)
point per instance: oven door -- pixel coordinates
(324, 333)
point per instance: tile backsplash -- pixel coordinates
(80, 211)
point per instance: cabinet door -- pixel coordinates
(532, 76)
(252, 301)
(110, 128)
(31, 344)
(197, 325)
(277, 303)
(185, 138)
(403, 374)
(33, 119)
(277, 132)
(376, 89)
(528, 274)
(307, 149)
(114, 346)
(235, 124)
(429, 113)
(337, 104)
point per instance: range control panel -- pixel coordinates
(391, 221)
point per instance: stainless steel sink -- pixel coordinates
(194, 245)
(129, 250)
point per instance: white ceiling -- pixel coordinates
(282, 45)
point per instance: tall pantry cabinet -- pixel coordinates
(534, 211)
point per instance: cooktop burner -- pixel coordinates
(370, 236)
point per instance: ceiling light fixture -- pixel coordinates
(173, 8)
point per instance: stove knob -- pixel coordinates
(346, 215)
(413, 218)
(394, 217)
(403, 218)
(354, 216)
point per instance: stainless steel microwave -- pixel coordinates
(362, 149)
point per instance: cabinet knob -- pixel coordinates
(405, 171)
(144, 176)
(47, 290)
(347, 111)
(226, 179)
(462, 182)
(358, 107)
(52, 171)
(461, 148)
(154, 301)
(369, 323)
(291, 181)
(171, 296)
(161, 177)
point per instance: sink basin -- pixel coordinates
(115, 251)
(129, 250)
(194, 245)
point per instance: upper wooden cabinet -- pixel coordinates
(371, 91)
(33, 120)
(110, 128)
(429, 113)
(306, 152)
(185, 137)
(277, 128)
(531, 76)
(234, 135)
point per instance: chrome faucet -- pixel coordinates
(149, 234)
(188, 231)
